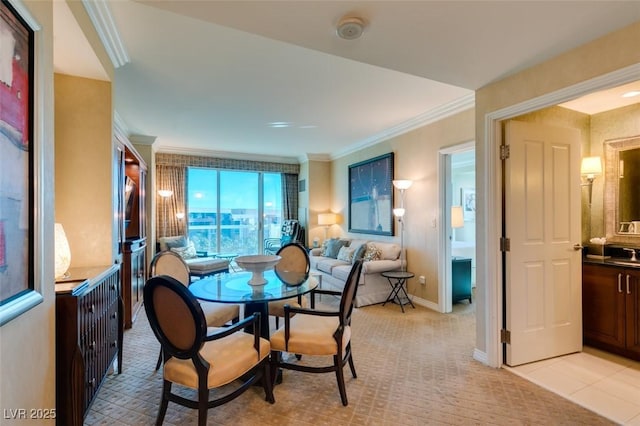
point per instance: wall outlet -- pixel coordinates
(422, 279)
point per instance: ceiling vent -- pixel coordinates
(350, 28)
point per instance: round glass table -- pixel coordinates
(234, 288)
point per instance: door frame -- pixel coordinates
(491, 204)
(445, 285)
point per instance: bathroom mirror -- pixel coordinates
(622, 190)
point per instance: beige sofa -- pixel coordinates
(373, 288)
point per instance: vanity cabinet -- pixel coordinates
(611, 308)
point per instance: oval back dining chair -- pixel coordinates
(319, 333)
(216, 314)
(199, 357)
(295, 259)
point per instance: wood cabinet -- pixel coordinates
(611, 308)
(89, 336)
(132, 224)
(135, 270)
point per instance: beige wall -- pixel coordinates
(84, 168)
(416, 158)
(602, 56)
(27, 343)
(320, 193)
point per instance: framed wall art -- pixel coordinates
(468, 201)
(18, 292)
(371, 196)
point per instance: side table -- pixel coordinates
(229, 257)
(461, 279)
(397, 280)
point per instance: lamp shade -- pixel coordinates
(402, 184)
(457, 217)
(399, 212)
(591, 166)
(327, 219)
(62, 253)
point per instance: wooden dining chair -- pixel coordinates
(319, 333)
(295, 259)
(216, 314)
(201, 357)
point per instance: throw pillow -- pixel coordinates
(167, 243)
(334, 246)
(346, 254)
(372, 253)
(186, 252)
(325, 244)
(358, 252)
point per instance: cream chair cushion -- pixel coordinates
(311, 335)
(229, 358)
(217, 314)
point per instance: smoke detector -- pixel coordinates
(350, 28)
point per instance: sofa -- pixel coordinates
(333, 262)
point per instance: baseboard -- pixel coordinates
(480, 356)
(425, 303)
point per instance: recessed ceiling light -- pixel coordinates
(279, 124)
(631, 94)
(350, 28)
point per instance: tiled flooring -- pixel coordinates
(600, 381)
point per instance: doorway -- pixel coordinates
(458, 235)
(492, 205)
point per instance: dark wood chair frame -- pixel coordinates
(260, 372)
(303, 249)
(348, 295)
(154, 261)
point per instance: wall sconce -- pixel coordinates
(165, 194)
(326, 220)
(62, 253)
(590, 168)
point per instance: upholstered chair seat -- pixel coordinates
(311, 335)
(227, 357)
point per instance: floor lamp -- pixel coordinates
(165, 194)
(402, 185)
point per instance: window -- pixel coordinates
(225, 209)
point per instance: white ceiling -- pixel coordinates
(211, 75)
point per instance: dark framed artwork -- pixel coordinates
(371, 196)
(17, 288)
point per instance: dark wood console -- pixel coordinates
(89, 333)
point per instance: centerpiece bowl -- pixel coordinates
(257, 264)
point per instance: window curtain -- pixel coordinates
(289, 196)
(170, 178)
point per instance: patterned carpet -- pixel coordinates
(413, 369)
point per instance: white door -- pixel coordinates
(543, 291)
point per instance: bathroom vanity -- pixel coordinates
(611, 305)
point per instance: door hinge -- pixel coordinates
(505, 336)
(505, 244)
(504, 152)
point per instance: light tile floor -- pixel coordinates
(597, 380)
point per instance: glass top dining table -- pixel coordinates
(235, 288)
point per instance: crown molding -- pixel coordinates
(461, 104)
(100, 14)
(314, 157)
(142, 139)
(227, 155)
